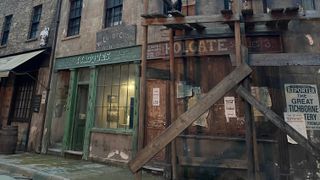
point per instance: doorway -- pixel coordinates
(79, 121)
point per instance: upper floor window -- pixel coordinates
(6, 30)
(308, 4)
(35, 21)
(74, 17)
(113, 13)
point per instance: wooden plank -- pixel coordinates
(172, 104)
(176, 13)
(189, 20)
(284, 59)
(309, 15)
(279, 122)
(197, 26)
(187, 118)
(154, 73)
(212, 163)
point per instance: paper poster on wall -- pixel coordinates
(262, 94)
(43, 97)
(156, 97)
(229, 107)
(203, 119)
(183, 90)
(303, 98)
(297, 121)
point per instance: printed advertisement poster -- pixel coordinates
(296, 120)
(230, 107)
(156, 97)
(303, 98)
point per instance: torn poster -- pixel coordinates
(183, 90)
(229, 107)
(261, 94)
(203, 119)
(297, 121)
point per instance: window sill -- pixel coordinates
(112, 131)
(3, 46)
(71, 37)
(31, 40)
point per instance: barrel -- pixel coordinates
(8, 139)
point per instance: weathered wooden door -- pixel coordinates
(80, 118)
(157, 112)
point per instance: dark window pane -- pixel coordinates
(35, 21)
(74, 17)
(113, 13)
(6, 30)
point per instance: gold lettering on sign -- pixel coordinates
(222, 45)
(202, 46)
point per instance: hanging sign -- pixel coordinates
(303, 98)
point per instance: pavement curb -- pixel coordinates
(34, 174)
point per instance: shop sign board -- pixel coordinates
(213, 46)
(99, 58)
(303, 98)
(116, 37)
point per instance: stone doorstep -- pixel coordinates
(34, 174)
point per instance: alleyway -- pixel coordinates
(42, 167)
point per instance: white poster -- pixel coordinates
(156, 97)
(303, 98)
(230, 107)
(297, 121)
(43, 97)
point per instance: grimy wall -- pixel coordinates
(21, 20)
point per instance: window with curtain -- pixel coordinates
(115, 96)
(74, 17)
(6, 30)
(113, 15)
(35, 21)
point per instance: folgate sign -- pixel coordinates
(216, 46)
(303, 98)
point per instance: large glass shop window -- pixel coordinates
(115, 96)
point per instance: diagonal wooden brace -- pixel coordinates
(279, 122)
(187, 118)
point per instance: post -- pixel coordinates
(172, 104)
(142, 98)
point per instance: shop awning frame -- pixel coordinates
(10, 62)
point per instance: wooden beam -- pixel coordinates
(284, 59)
(187, 118)
(279, 122)
(189, 20)
(213, 163)
(269, 17)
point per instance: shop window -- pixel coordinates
(35, 21)
(113, 15)
(6, 30)
(74, 17)
(115, 96)
(22, 102)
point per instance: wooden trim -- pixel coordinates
(221, 138)
(284, 59)
(90, 112)
(189, 20)
(283, 16)
(279, 122)
(213, 163)
(112, 131)
(136, 111)
(187, 118)
(71, 101)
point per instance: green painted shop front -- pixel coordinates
(101, 103)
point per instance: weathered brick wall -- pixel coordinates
(21, 20)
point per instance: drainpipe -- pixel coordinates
(45, 137)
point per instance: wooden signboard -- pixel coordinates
(221, 46)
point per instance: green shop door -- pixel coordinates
(80, 118)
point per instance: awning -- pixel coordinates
(11, 62)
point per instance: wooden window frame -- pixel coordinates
(113, 13)
(35, 22)
(74, 17)
(6, 30)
